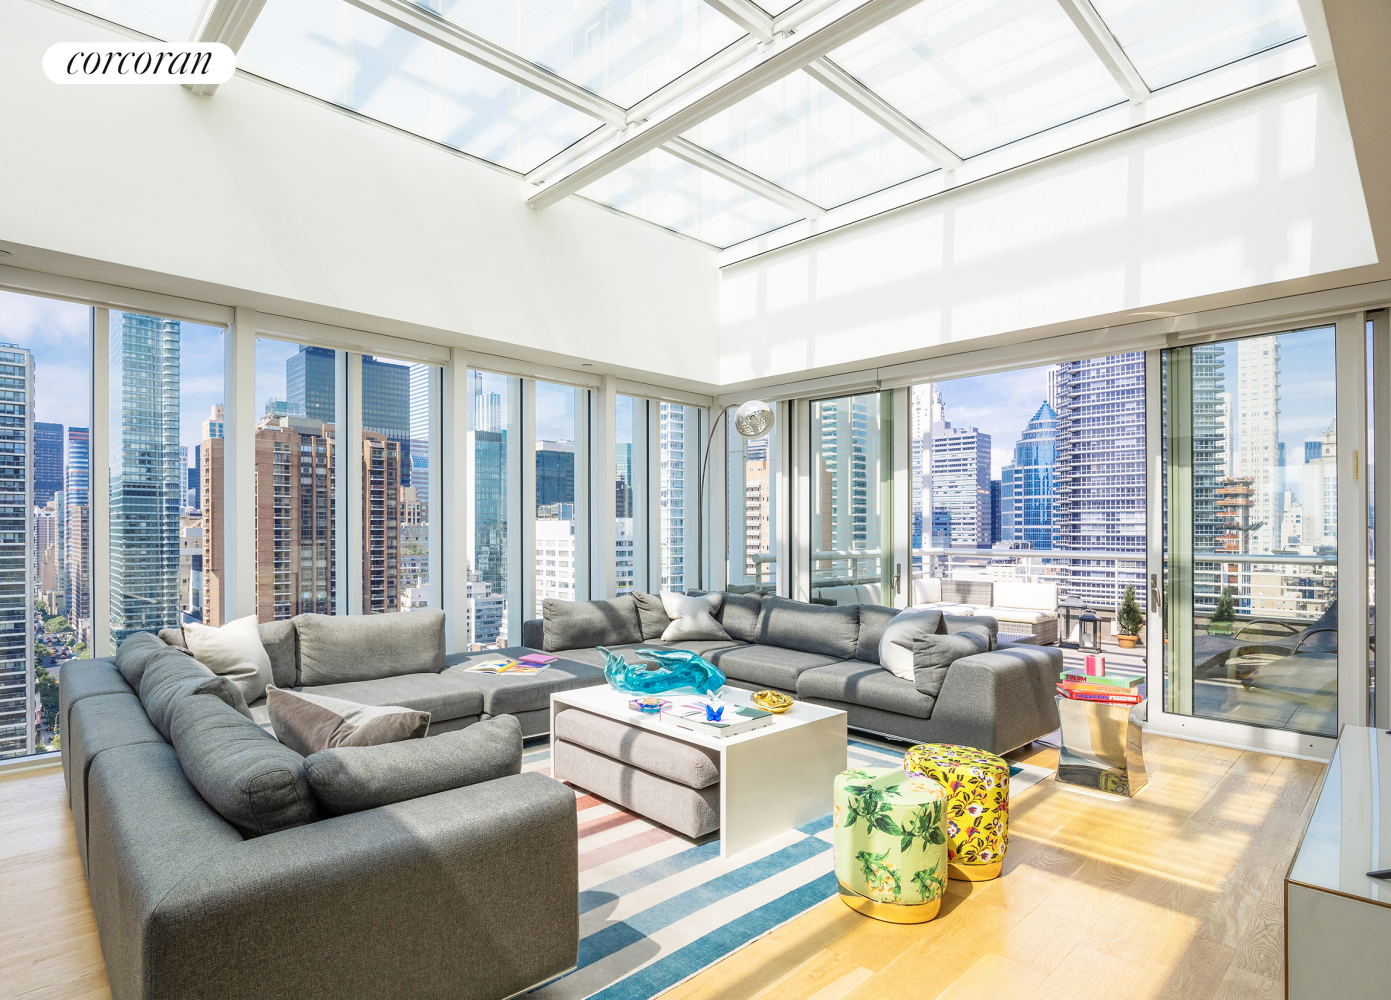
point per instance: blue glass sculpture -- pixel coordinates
(676, 668)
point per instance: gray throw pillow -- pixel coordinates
(652, 616)
(952, 624)
(172, 677)
(253, 782)
(811, 628)
(308, 723)
(585, 624)
(337, 649)
(137, 652)
(350, 779)
(933, 656)
(739, 615)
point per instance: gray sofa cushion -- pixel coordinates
(652, 615)
(86, 679)
(336, 649)
(811, 628)
(444, 695)
(281, 643)
(137, 652)
(739, 614)
(933, 655)
(692, 766)
(350, 779)
(766, 666)
(691, 811)
(577, 624)
(255, 783)
(93, 726)
(172, 677)
(873, 620)
(953, 624)
(859, 683)
(504, 694)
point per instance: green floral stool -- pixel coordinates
(890, 843)
(977, 785)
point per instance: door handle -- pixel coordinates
(1156, 600)
(898, 578)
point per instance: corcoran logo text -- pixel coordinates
(139, 62)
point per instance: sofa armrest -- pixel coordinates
(1001, 699)
(469, 894)
(534, 633)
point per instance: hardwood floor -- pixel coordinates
(1174, 895)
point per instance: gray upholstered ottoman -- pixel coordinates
(667, 780)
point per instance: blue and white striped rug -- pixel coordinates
(656, 907)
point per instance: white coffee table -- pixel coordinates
(772, 780)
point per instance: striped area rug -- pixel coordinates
(657, 907)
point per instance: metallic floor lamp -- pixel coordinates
(752, 420)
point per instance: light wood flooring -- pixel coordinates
(1176, 893)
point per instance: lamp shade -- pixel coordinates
(753, 419)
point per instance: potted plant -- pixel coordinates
(1130, 620)
(1224, 615)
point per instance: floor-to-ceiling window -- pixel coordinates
(166, 400)
(630, 417)
(492, 403)
(851, 469)
(751, 479)
(559, 512)
(1031, 476)
(45, 523)
(296, 477)
(679, 428)
(1252, 531)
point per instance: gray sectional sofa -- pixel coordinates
(996, 700)
(418, 898)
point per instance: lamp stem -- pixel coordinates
(700, 500)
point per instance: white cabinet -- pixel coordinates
(1337, 920)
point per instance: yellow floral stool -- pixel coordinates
(977, 785)
(890, 843)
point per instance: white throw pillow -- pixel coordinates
(692, 617)
(233, 651)
(896, 645)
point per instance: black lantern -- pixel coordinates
(1088, 632)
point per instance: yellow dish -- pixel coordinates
(771, 701)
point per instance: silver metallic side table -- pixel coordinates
(1101, 746)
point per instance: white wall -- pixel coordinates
(1258, 189)
(300, 209)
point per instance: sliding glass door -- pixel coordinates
(1253, 515)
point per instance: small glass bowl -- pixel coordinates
(771, 701)
(648, 705)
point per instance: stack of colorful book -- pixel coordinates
(1080, 686)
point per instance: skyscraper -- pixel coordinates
(1026, 484)
(310, 380)
(623, 480)
(381, 523)
(145, 474)
(555, 472)
(490, 529)
(48, 461)
(19, 700)
(961, 488)
(295, 532)
(75, 526)
(420, 376)
(1099, 493)
(927, 417)
(673, 481)
(1258, 438)
(1319, 534)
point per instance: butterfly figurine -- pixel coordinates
(712, 714)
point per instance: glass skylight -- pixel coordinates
(977, 75)
(619, 50)
(169, 20)
(1172, 40)
(801, 136)
(336, 52)
(672, 193)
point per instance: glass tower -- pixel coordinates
(146, 493)
(18, 696)
(1026, 484)
(309, 384)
